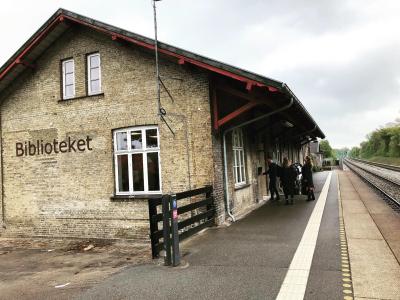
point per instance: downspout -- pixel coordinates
(227, 202)
(306, 132)
(3, 213)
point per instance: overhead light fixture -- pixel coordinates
(287, 124)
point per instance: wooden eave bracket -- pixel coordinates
(237, 113)
(20, 61)
(218, 122)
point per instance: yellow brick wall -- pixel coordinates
(69, 194)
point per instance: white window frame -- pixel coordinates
(64, 62)
(89, 73)
(239, 157)
(129, 152)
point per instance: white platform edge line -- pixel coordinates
(295, 282)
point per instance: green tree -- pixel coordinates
(383, 142)
(326, 148)
(394, 144)
(355, 152)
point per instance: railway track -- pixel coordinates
(384, 166)
(385, 178)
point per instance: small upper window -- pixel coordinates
(68, 78)
(94, 74)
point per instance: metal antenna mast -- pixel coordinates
(160, 111)
(156, 53)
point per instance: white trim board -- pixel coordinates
(295, 282)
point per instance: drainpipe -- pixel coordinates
(306, 132)
(228, 205)
(3, 213)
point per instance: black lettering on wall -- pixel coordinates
(71, 145)
(63, 147)
(39, 147)
(19, 149)
(81, 143)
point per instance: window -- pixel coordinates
(239, 166)
(137, 160)
(94, 74)
(68, 78)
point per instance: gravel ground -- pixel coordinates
(62, 269)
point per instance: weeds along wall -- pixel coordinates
(71, 193)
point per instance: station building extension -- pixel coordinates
(83, 147)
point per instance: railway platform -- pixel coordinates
(344, 245)
(372, 233)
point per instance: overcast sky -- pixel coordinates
(341, 58)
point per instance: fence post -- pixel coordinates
(209, 194)
(176, 258)
(166, 228)
(153, 228)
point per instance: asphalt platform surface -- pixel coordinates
(247, 260)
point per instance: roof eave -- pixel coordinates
(181, 54)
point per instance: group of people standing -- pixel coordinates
(288, 174)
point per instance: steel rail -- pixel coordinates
(372, 163)
(376, 175)
(348, 163)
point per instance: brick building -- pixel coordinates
(83, 147)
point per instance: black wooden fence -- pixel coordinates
(198, 214)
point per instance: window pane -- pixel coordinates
(137, 172)
(153, 171)
(236, 162)
(69, 91)
(243, 164)
(95, 86)
(151, 138)
(69, 67)
(123, 176)
(94, 61)
(237, 174)
(94, 73)
(136, 139)
(122, 142)
(69, 79)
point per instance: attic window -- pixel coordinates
(94, 74)
(68, 79)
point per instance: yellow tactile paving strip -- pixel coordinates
(373, 270)
(346, 269)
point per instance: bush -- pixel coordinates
(383, 142)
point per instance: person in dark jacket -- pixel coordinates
(308, 178)
(273, 170)
(288, 179)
